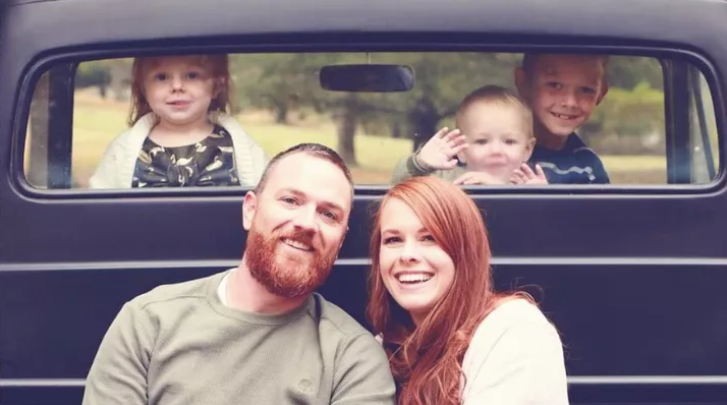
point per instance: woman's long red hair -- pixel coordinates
(426, 360)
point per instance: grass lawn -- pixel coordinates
(96, 122)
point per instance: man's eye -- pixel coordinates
(289, 200)
(329, 215)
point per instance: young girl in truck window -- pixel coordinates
(450, 338)
(180, 134)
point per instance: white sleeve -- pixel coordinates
(107, 169)
(117, 164)
(260, 160)
(524, 367)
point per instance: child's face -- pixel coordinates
(498, 137)
(563, 91)
(179, 90)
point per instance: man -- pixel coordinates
(257, 334)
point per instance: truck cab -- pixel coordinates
(631, 273)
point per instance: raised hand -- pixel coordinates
(440, 152)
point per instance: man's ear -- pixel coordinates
(343, 239)
(602, 93)
(521, 83)
(249, 205)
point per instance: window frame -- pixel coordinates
(673, 90)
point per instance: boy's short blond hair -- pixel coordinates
(529, 59)
(500, 96)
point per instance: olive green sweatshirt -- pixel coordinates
(179, 344)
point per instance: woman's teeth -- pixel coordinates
(413, 278)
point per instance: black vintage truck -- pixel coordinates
(632, 273)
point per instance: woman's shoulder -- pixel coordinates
(515, 328)
(515, 310)
(515, 317)
(515, 354)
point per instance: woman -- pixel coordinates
(450, 338)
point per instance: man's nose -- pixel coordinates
(305, 218)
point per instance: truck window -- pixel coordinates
(278, 101)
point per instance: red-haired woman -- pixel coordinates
(450, 338)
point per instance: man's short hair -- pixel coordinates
(312, 149)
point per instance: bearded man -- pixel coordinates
(256, 334)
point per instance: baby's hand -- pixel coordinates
(440, 152)
(473, 178)
(525, 175)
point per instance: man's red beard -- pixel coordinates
(284, 275)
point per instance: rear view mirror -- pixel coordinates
(367, 78)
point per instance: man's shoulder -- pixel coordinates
(333, 316)
(169, 293)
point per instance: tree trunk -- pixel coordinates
(347, 121)
(120, 75)
(425, 128)
(281, 113)
(396, 129)
(424, 118)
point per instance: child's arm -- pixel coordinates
(117, 164)
(105, 175)
(439, 153)
(599, 171)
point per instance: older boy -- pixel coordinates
(563, 91)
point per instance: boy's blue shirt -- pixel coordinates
(575, 163)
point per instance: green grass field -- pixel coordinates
(97, 122)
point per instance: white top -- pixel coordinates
(116, 168)
(515, 358)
